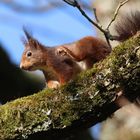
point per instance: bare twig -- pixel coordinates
(71, 2)
(116, 12)
(95, 14)
(106, 33)
(74, 3)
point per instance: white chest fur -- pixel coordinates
(82, 65)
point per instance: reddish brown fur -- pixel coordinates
(61, 63)
(88, 48)
(58, 69)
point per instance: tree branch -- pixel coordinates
(74, 3)
(106, 31)
(85, 101)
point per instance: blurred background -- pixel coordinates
(53, 22)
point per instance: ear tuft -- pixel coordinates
(27, 33)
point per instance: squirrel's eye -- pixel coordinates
(28, 54)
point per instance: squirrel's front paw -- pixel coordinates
(53, 84)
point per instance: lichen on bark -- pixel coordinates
(83, 102)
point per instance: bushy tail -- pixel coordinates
(128, 26)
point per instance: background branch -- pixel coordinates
(106, 31)
(74, 3)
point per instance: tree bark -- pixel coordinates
(83, 102)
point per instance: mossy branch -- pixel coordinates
(83, 102)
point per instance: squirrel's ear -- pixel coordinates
(38, 45)
(27, 33)
(34, 44)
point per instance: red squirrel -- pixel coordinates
(61, 63)
(59, 68)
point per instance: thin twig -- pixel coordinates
(71, 2)
(107, 34)
(116, 12)
(95, 14)
(74, 3)
(106, 31)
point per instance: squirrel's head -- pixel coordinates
(32, 57)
